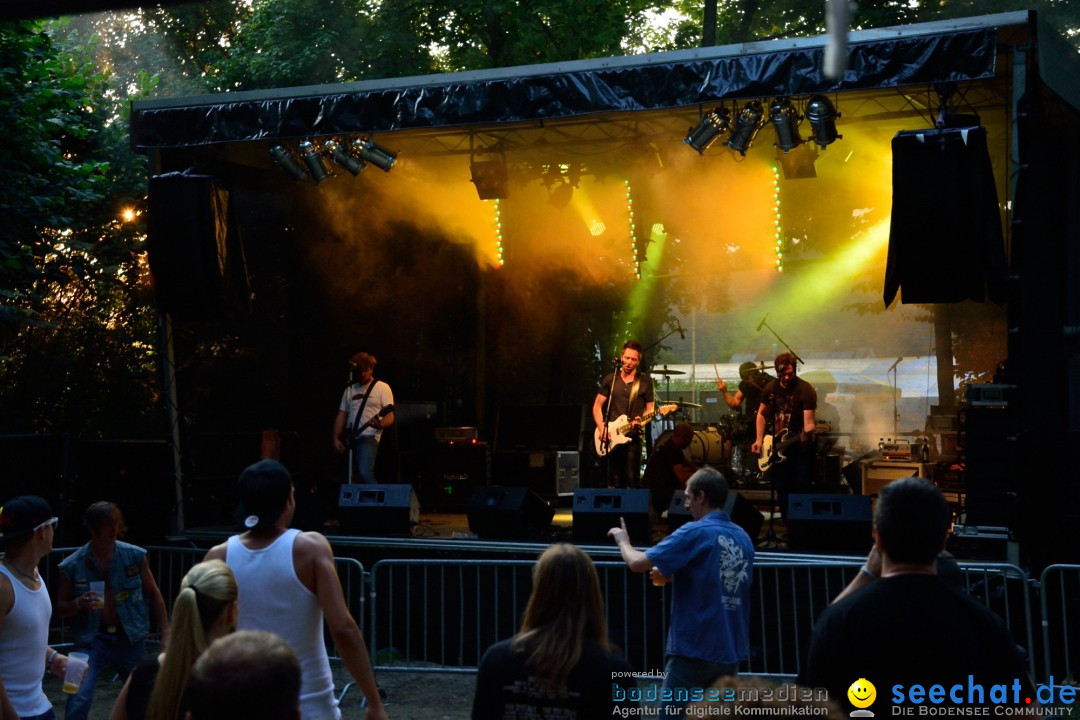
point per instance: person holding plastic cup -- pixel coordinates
(110, 621)
(26, 535)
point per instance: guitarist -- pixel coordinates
(362, 406)
(787, 408)
(624, 392)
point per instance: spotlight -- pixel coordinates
(372, 153)
(342, 157)
(822, 116)
(490, 177)
(708, 130)
(746, 127)
(311, 157)
(560, 194)
(785, 119)
(286, 162)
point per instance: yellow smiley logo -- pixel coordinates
(862, 693)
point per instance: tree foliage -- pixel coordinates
(77, 327)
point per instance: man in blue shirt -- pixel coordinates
(710, 562)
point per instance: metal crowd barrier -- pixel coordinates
(1060, 607)
(441, 615)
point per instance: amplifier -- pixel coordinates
(455, 434)
(895, 450)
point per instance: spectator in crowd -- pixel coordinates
(871, 632)
(26, 535)
(248, 675)
(560, 663)
(204, 610)
(710, 561)
(112, 627)
(288, 584)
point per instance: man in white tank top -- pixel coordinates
(26, 535)
(288, 584)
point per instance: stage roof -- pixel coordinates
(886, 65)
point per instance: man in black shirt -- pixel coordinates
(630, 393)
(917, 640)
(787, 407)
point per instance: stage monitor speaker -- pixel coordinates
(597, 510)
(500, 511)
(829, 523)
(741, 511)
(378, 509)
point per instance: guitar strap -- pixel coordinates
(633, 397)
(360, 411)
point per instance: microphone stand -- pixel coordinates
(780, 339)
(350, 447)
(895, 384)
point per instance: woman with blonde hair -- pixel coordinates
(561, 658)
(204, 610)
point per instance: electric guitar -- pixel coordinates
(353, 435)
(618, 429)
(773, 448)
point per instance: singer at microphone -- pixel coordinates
(624, 402)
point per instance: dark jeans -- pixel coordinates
(689, 673)
(624, 465)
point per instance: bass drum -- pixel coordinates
(707, 447)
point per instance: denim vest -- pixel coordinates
(125, 581)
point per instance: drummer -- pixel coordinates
(668, 468)
(752, 382)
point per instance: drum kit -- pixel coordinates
(712, 443)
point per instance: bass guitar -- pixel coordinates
(618, 429)
(773, 449)
(354, 434)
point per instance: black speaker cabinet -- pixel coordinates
(597, 510)
(378, 509)
(829, 523)
(498, 511)
(741, 511)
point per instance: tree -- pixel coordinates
(77, 330)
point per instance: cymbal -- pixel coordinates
(665, 371)
(682, 404)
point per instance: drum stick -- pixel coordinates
(716, 369)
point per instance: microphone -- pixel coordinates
(762, 323)
(893, 366)
(682, 333)
(617, 362)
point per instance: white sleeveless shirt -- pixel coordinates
(22, 648)
(271, 597)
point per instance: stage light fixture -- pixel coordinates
(490, 177)
(711, 127)
(286, 162)
(341, 157)
(311, 157)
(747, 124)
(785, 119)
(822, 116)
(372, 153)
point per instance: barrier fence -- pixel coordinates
(441, 615)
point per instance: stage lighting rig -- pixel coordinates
(489, 175)
(313, 159)
(340, 155)
(822, 116)
(709, 129)
(287, 162)
(785, 119)
(368, 151)
(747, 124)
